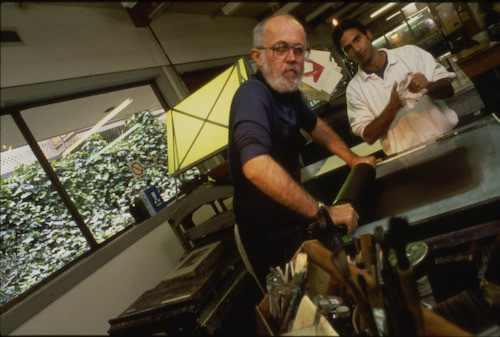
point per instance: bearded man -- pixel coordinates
(271, 207)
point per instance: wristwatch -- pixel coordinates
(320, 216)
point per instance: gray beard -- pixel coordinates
(278, 81)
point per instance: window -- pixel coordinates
(413, 23)
(37, 232)
(88, 143)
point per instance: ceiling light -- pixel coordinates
(378, 40)
(393, 15)
(335, 22)
(410, 5)
(381, 10)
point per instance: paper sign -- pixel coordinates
(320, 72)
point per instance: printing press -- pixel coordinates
(207, 287)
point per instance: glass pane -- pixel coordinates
(38, 233)
(422, 23)
(417, 27)
(92, 146)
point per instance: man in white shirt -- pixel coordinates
(396, 94)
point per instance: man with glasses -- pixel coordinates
(396, 94)
(272, 209)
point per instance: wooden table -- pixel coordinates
(481, 60)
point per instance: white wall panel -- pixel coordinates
(61, 42)
(192, 38)
(87, 307)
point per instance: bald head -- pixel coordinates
(271, 23)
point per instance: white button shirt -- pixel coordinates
(367, 96)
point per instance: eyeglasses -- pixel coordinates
(280, 52)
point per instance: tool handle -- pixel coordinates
(434, 324)
(412, 299)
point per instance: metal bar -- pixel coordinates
(30, 139)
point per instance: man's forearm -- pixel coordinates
(329, 139)
(265, 173)
(379, 126)
(440, 89)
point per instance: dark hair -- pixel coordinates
(344, 25)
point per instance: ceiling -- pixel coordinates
(311, 14)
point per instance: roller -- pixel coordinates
(358, 189)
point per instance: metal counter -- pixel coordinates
(459, 172)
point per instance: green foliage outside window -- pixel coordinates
(38, 235)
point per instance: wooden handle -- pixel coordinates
(366, 249)
(412, 299)
(434, 324)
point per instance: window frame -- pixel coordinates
(169, 90)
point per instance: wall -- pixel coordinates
(62, 41)
(106, 293)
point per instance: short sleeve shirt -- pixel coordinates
(367, 95)
(263, 121)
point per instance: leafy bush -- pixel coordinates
(37, 232)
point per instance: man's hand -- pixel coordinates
(418, 82)
(344, 215)
(394, 101)
(370, 160)
(379, 126)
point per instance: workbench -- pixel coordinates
(449, 191)
(456, 174)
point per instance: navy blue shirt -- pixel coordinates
(263, 121)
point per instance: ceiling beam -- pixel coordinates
(318, 11)
(287, 8)
(231, 7)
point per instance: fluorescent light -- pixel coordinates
(96, 127)
(393, 15)
(411, 4)
(383, 9)
(378, 40)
